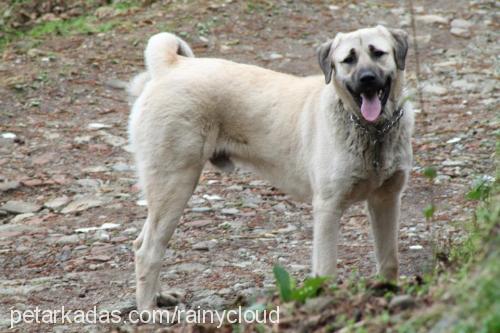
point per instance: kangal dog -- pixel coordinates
(331, 140)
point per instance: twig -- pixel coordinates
(417, 58)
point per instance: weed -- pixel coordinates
(290, 292)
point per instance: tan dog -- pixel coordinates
(330, 144)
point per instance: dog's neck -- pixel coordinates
(373, 134)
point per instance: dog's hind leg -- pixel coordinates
(167, 193)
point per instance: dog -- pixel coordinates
(330, 141)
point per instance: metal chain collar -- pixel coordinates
(379, 132)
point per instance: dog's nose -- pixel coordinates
(367, 77)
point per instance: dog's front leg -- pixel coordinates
(327, 214)
(383, 212)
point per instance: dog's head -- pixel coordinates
(366, 67)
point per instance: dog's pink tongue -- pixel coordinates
(370, 107)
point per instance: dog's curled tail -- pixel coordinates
(163, 49)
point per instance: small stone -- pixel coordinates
(432, 19)
(205, 245)
(435, 89)
(113, 140)
(453, 163)
(89, 182)
(69, 239)
(121, 167)
(95, 169)
(214, 197)
(189, 267)
(230, 211)
(460, 23)
(82, 204)
(141, 202)
(460, 32)
(8, 135)
(117, 84)
(20, 207)
(7, 186)
(57, 203)
(201, 209)
(130, 231)
(236, 188)
(98, 126)
(416, 247)
(103, 236)
(464, 85)
(21, 217)
(402, 302)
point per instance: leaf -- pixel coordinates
(310, 288)
(480, 189)
(429, 211)
(284, 283)
(430, 172)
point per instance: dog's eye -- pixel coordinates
(349, 60)
(378, 53)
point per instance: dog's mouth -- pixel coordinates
(371, 100)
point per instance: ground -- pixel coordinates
(63, 123)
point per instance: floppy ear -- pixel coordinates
(400, 47)
(325, 60)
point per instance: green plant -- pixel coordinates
(290, 292)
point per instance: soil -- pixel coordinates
(236, 227)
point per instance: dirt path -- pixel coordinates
(62, 99)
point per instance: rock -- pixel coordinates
(189, 267)
(104, 226)
(7, 186)
(98, 126)
(460, 23)
(21, 217)
(230, 211)
(402, 302)
(213, 197)
(102, 236)
(113, 140)
(257, 183)
(236, 188)
(141, 202)
(19, 207)
(130, 231)
(9, 136)
(89, 182)
(201, 209)
(82, 204)
(453, 163)
(271, 56)
(121, 167)
(459, 32)
(69, 239)
(117, 84)
(205, 245)
(432, 19)
(95, 169)
(416, 247)
(435, 89)
(57, 203)
(464, 85)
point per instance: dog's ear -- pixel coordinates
(400, 47)
(325, 60)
